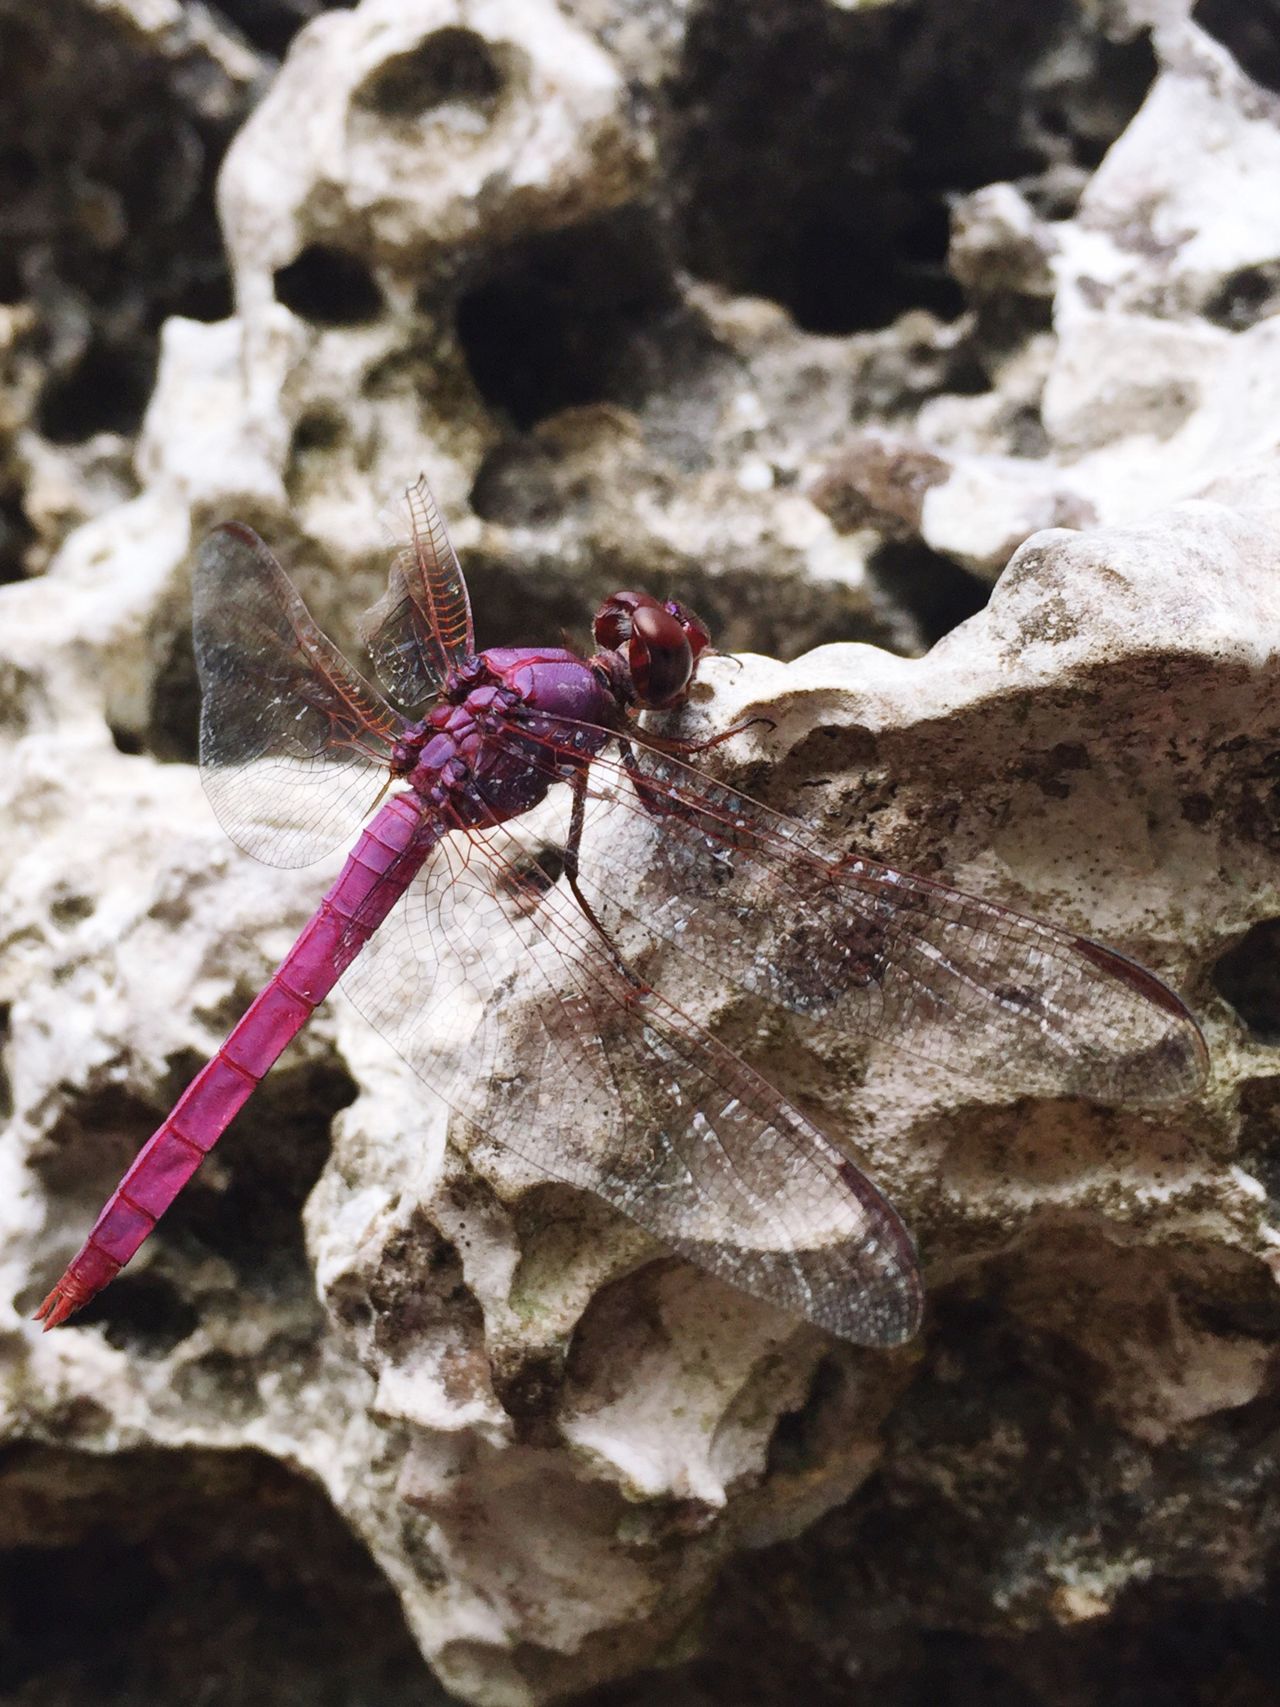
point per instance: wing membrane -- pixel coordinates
(605, 1086)
(422, 623)
(293, 743)
(853, 945)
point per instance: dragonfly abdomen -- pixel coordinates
(378, 870)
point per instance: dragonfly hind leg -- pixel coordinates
(572, 848)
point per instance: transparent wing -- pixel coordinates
(422, 623)
(293, 744)
(489, 981)
(853, 945)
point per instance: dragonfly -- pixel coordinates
(455, 895)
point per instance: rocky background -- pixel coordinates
(847, 322)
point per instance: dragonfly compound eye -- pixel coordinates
(660, 656)
(660, 644)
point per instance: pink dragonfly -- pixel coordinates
(453, 893)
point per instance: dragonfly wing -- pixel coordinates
(597, 1082)
(422, 624)
(852, 945)
(293, 744)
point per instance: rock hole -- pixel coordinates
(89, 1147)
(1260, 1133)
(1250, 32)
(450, 65)
(6, 1085)
(105, 392)
(795, 1445)
(206, 299)
(1081, 113)
(68, 910)
(585, 315)
(196, 1575)
(246, 1208)
(272, 24)
(938, 593)
(173, 716)
(816, 148)
(1245, 297)
(529, 1387)
(315, 439)
(126, 741)
(420, 1291)
(1248, 978)
(16, 534)
(527, 877)
(19, 174)
(319, 429)
(329, 286)
(141, 1313)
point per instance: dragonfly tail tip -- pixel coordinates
(56, 1308)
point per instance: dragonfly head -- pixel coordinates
(655, 647)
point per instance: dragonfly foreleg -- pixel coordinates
(676, 747)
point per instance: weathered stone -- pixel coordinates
(462, 239)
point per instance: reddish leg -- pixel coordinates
(679, 748)
(572, 848)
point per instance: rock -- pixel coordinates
(656, 295)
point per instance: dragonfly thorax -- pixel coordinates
(507, 725)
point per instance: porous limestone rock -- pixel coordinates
(607, 275)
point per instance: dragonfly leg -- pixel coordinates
(678, 748)
(577, 818)
(655, 799)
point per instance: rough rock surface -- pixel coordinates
(833, 317)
